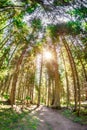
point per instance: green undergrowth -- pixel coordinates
(11, 120)
(82, 119)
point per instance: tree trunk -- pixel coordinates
(72, 64)
(16, 73)
(49, 85)
(57, 81)
(67, 81)
(40, 79)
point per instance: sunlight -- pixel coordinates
(47, 55)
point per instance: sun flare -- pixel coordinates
(47, 55)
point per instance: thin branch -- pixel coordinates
(6, 26)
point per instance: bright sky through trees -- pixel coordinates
(47, 55)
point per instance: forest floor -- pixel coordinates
(35, 118)
(50, 119)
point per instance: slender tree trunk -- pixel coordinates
(67, 81)
(53, 93)
(57, 81)
(49, 85)
(40, 79)
(82, 64)
(46, 89)
(13, 90)
(73, 70)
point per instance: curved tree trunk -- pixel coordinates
(77, 79)
(15, 77)
(72, 64)
(79, 58)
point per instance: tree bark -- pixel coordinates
(40, 79)
(57, 81)
(15, 77)
(72, 64)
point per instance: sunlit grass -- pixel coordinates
(11, 120)
(82, 119)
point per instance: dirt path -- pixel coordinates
(53, 120)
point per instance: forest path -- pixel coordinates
(50, 119)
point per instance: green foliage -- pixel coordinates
(36, 24)
(6, 3)
(6, 96)
(28, 98)
(67, 0)
(21, 15)
(74, 27)
(71, 27)
(31, 8)
(79, 12)
(77, 119)
(67, 113)
(3, 73)
(84, 40)
(62, 3)
(52, 30)
(18, 22)
(84, 111)
(84, 25)
(11, 120)
(57, 3)
(82, 119)
(4, 56)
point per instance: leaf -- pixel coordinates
(36, 23)
(5, 2)
(18, 22)
(79, 12)
(31, 8)
(74, 26)
(28, 98)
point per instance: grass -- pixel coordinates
(82, 119)
(11, 120)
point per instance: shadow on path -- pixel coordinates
(53, 120)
